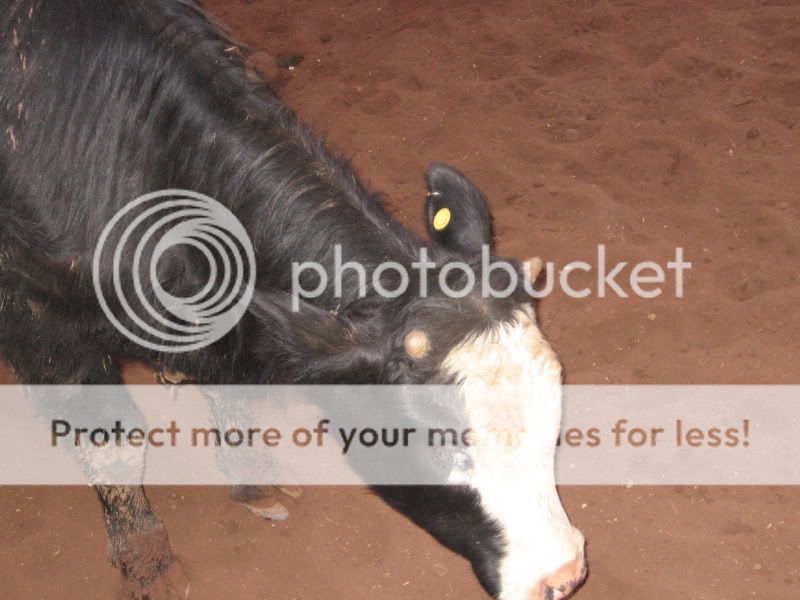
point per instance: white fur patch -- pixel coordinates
(511, 381)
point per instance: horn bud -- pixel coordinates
(417, 344)
(533, 266)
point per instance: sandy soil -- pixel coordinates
(641, 125)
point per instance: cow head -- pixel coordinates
(502, 511)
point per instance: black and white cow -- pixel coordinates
(102, 101)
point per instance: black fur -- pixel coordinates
(104, 100)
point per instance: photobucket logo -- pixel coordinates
(577, 279)
(158, 238)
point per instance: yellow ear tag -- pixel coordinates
(441, 219)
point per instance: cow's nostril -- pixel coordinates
(553, 594)
(561, 583)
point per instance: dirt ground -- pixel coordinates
(642, 125)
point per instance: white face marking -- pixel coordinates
(511, 381)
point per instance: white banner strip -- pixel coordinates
(388, 435)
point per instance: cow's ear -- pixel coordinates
(456, 213)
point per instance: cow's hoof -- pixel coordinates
(149, 569)
(171, 584)
(267, 508)
(168, 378)
(260, 501)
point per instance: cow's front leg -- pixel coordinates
(139, 547)
(63, 354)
